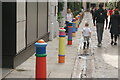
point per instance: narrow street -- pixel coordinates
(100, 62)
(92, 63)
(43, 40)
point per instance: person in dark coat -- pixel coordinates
(119, 24)
(114, 27)
(93, 10)
(99, 18)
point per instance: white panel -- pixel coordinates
(21, 36)
(31, 22)
(42, 18)
(21, 10)
(21, 25)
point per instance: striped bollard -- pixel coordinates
(77, 23)
(70, 33)
(40, 59)
(74, 27)
(61, 56)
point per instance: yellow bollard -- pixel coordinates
(61, 56)
(62, 45)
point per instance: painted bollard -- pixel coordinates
(70, 33)
(40, 59)
(61, 55)
(74, 27)
(77, 23)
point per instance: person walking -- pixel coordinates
(119, 24)
(116, 8)
(69, 17)
(110, 12)
(86, 32)
(93, 10)
(98, 20)
(82, 9)
(114, 25)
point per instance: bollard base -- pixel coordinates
(73, 34)
(69, 42)
(61, 59)
(40, 68)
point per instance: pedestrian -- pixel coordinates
(86, 32)
(105, 9)
(114, 26)
(69, 17)
(116, 8)
(98, 20)
(82, 9)
(93, 10)
(119, 24)
(110, 12)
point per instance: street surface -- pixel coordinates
(92, 63)
(101, 62)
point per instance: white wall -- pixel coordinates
(64, 13)
(21, 25)
(52, 20)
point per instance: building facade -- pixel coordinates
(23, 23)
(53, 25)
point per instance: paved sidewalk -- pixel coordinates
(54, 69)
(100, 63)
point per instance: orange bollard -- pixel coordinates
(40, 60)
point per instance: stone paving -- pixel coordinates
(100, 63)
(54, 69)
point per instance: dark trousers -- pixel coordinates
(66, 27)
(113, 36)
(86, 41)
(100, 29)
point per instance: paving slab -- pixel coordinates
(104, 60)
(54, 69)
(100, 63)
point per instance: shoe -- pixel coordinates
(99, 45)
(87, 45)
(115, 43)
(112, 42)
(84, 48)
